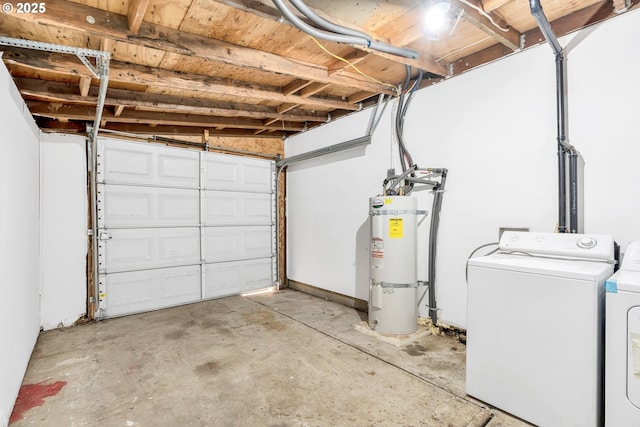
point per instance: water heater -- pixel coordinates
(393, 264)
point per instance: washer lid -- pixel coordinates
(594, 271)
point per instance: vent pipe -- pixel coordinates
(563, 146)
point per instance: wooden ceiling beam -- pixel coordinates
(142, 129)
(117, 111)
(258, 8)
(157, 78)
(355, 57)
(491, 5)
(295, 86)
(39, 90)
(510, 38)
(312, 89)
(360, 96)
(85, 85)
(76, 112)
(67, 14)
(286, 107)
(135, 14)
(562, 26)
(584, 17)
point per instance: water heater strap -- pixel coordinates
(395, 285)
(398, 212)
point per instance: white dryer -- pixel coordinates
(622, 366)
(535, 324)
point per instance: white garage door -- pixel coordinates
(177, 226)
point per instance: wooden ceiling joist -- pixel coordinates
(85, 84)
(267, 10)
(158, 78)
(491, 5)
(345, 64)
(77, 112)
(71, 15)
(312, 89)
(286, 107)
(142, 129)
(135, 15)
(295, 86)
(38, 90)
(510, 38)
(117, 111)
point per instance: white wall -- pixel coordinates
(63, 169)
(19, 241)
(494, 128)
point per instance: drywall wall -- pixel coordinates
(19, 241)
(495, 130)
(63, 195)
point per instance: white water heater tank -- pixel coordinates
(393, 264)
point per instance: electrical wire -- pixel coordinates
(485, 14)
(466, 268)
(352, 65)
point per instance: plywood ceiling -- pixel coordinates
(236, 68)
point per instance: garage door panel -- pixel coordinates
(237, 243)
(137, 291)
(136, 206)
(145, 164)
(235, 208)
(137, 249)
(229, 278)
(235, 173)
(177, 225)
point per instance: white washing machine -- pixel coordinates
(535, 324)
(622, 366)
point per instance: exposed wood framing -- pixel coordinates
(235, 68)
(583, 17)
(70, 112)
(286, 107)
(137, 9)
(312, 89)
(424, 62)
(60, 92)
(510, 38)
(195, 131)
(157, 78)
(73, 16)
(360, 96)
(295, 86)
(339, 65)
(85, 84)
(491, 5)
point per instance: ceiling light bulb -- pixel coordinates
(435, 18)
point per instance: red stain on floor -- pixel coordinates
(32, 395)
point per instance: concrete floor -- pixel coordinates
(280, 359)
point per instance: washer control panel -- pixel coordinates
(591, 246)
(586, 242)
